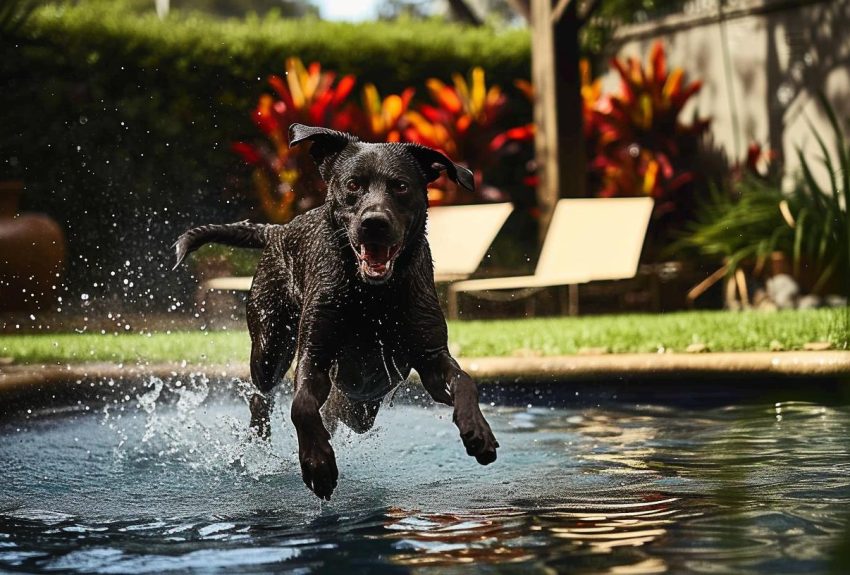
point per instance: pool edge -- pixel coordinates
(643, 366)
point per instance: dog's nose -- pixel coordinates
(375, 224)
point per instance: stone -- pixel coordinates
(783, 290)
(697, 348)
(817, 346)
(835, 300)
(810, 301)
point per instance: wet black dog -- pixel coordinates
(350, 287)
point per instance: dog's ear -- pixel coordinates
(433, 162)
(325, 142)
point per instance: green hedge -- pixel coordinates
(120, 123)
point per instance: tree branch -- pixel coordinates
(465, 13)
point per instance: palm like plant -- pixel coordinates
(821, 215)
(811, 224)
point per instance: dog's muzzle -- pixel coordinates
(377, 247)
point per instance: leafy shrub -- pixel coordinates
(463, 121)
(637, 142)
(121, 124)
(811, 224)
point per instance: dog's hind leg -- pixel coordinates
(272, 351)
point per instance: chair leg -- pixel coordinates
(573, 289)
(530, 307)
(563, 293)
(452, 297)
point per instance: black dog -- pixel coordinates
(350, 287)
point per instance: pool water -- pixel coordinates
(168, 479)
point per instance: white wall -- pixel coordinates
(762, 63)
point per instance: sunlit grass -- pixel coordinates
(635, 333)
(719, 331)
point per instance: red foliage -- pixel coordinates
(637, 143)
(285, 180)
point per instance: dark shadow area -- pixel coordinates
(814, 48)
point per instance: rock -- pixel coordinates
(835, 300)
(776, 345)
(782, 290)
(696, 348)
(817, 346)
(7, 360)
(810, 301)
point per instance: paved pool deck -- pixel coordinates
(644, 367)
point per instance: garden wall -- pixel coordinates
(762, 63)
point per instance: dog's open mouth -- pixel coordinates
(376, 260)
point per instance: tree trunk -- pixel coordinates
(559, 142)
(572, 158)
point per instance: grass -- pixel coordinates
(720, 331)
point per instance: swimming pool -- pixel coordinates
(165, 477)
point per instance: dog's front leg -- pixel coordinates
(318, 462)
(447, 383)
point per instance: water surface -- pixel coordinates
(168, 479)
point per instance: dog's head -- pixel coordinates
(377, 192)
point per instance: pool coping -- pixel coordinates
(719, 366)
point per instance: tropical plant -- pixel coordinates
(285, 179)
(811, 224)
(745, 225)
(463, 122)
(383, 120)
(821, 215)
(637, 142)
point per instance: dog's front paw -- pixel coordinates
(318, 469)
(476, 435)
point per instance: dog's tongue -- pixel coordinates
(375, 254)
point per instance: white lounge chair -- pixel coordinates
(587, 240)
(458, 235)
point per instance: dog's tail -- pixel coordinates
(242, 234)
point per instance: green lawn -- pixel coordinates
(720, 331)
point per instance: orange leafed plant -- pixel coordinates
(463, 122)
(383, 120)
(285, 180)
(638, 143)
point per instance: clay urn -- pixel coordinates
(32, 254)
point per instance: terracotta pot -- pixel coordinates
(32, 254)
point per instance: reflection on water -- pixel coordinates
(168, 479)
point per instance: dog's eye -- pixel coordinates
(352, 185)
(400, 187)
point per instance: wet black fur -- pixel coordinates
(356, 338)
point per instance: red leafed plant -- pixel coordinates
(638, 145)
(383, 120)
(286, 180)
(463, 122)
